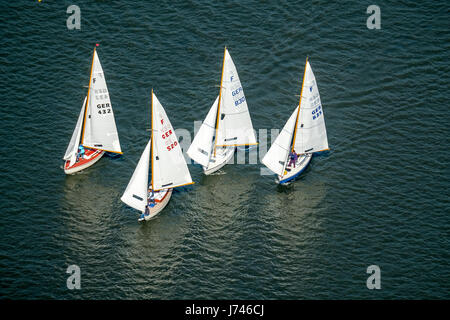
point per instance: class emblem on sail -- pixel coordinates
(303, 134)
(227, 124)
(95, 131)
(164, 159)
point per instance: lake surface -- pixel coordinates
(379, 197)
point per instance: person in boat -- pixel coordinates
(80, 152)
(151, 199)
(293, 156)
(145, 214)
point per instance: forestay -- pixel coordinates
(311, 133)
(235, 126)
(100, 130)
(135, 194)
(72, 148)
(275, 159)
(169, 166)
(201, 148)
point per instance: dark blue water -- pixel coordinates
(380, 196)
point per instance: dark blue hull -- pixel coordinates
(295, 176)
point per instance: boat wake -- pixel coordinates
(218, 173)
(284, 184)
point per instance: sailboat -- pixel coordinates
(227, 124)
(303, 134)
(164, 158)
(95, 130)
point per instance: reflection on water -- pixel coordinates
(105, 235)
(88, 209)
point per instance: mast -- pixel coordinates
(220, 98)
(151, 136)
(87, 98)
(296, 119)
(299, 104)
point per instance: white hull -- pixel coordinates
(159, 206)
(292, 173)
(72, 170)
(223, 156)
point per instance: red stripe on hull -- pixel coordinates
(90, 156)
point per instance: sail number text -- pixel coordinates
(237, 100)
(104, 108)
(166, 134)
(170, 145)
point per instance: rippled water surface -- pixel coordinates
(380, 196)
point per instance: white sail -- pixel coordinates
(201, 148)
(135, 194)
(100, 130)
(72, 148)
(169, 166)
(275, 159)
(311, 132)
(235, 126)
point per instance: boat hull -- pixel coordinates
(223, 156)
(91, 157)
(300, 166)
(159, 205)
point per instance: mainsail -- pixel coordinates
(72, 148)
(201, 148)
(135, 194)
(234, 125)
(311, 133)
(100, 130)
(169, 169)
